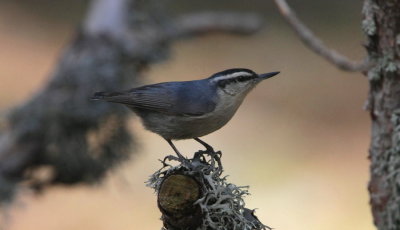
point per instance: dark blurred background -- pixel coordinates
(300, 140)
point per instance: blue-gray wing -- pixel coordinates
(183, 98)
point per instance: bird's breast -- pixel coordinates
(186, 127)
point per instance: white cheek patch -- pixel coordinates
(231, 76)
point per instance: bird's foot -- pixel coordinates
(208, 147)
(182, 160)
(171, 158)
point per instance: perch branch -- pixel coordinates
(205, 22)
(195, 195)
(315, 44)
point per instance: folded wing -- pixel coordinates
(169, 98)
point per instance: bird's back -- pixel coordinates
(174, 110)
(191, 98)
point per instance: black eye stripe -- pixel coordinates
(222, 83)
(243, 78)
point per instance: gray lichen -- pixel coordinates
(385, 65)
(368, 23)
(391, 67)
(222, 203)
(374, 74)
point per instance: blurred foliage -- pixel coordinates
(61, 11)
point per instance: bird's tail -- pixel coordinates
(104, 95)
(115, 97)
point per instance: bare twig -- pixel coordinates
(315, 44)
(205, 22)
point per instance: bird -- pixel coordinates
(188, 109)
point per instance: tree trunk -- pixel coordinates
(381, 24)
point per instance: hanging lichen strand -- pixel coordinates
(194, 195)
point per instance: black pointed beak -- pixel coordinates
(267, 75)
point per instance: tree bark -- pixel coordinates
(381, 24)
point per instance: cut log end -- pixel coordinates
(176, 199)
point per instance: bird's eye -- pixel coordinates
(222, 83)
(242, 78)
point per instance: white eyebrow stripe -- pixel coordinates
(230, 76)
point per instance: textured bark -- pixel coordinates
(381, 24)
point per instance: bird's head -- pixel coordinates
(238, 81)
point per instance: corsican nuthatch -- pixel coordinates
(188, 109)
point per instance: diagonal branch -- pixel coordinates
(315, 44)
(205, 22)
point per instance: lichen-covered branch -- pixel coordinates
(315, 44)
(194, 195)
(59, 129)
